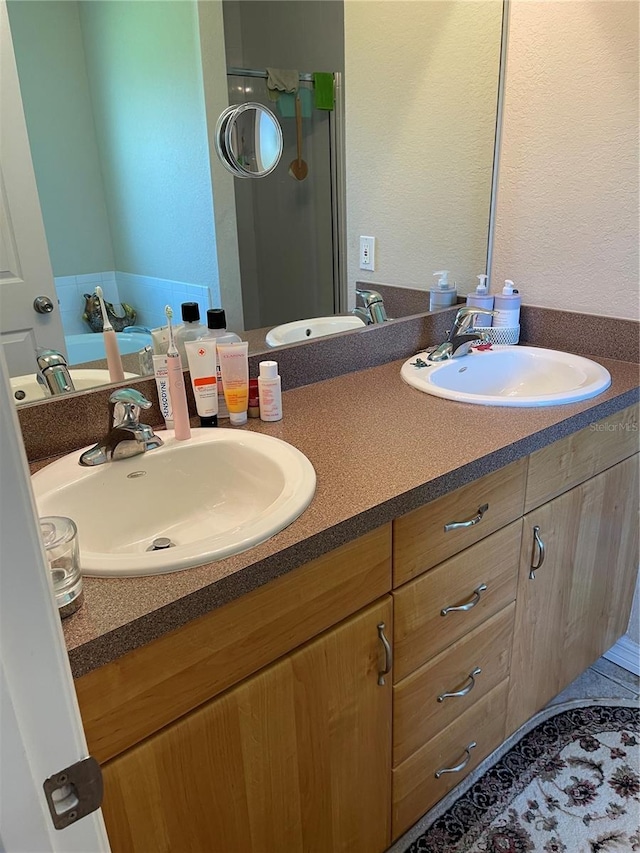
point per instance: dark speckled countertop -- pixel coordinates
(380, 449)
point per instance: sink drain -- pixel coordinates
(161, 544)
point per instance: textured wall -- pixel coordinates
(567, 213)
(421, 89)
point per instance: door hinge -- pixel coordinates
(74, 792)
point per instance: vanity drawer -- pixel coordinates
(418, 716)
(415, 786)
(566, 463)
(420, 628)
(423, 538)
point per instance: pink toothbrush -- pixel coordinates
(114, 362)
(177, 392)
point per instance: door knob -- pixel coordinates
(42, 305)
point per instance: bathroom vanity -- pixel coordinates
(311, 711)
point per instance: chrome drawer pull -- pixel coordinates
(539, 545)
(457, 525)
(468, 605)
(388, 655)
(462, 765)
(462, 691)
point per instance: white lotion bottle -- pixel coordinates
(443, 295)
(270, 391)
(507, 307)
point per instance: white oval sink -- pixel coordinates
(82, 380)
(317, 327)
(509, 376)
(218, 493)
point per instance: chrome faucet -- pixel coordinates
(372, 309)
(126, 436)
(53, 372)
(461, 335)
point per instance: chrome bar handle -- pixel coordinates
(466, 688)
(462, 765)
(388, 655)
(539, 545)
(457, 525)
(468, 605)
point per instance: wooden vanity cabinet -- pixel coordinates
(295, 758)
(577, 603)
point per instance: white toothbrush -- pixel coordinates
(114, 362)
(177, 391)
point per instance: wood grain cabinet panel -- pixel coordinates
(578, 602)
(477, 663)
(415, 786)
(296, 759)
(420, 540)
(132, 697)
(566, 463)
(421, 631)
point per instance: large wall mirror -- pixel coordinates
(121, 101)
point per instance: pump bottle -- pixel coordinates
(443, 295)
(481, 298)
(507, 306)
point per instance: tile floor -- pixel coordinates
(603, 680)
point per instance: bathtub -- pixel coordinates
(90, 347)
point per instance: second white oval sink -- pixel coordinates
(316, 327)
(218, 493)
(509, 376)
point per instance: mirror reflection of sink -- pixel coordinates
(218, 493)
(509, 376)
(82, 379)
(316, 327)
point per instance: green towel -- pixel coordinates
(323, 89)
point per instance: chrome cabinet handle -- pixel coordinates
(457, 525)
(468, 605)
(462, 765)
(539, 545)
(466, 688)
(388, 655)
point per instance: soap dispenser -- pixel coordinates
(443, 295)
(481, 298)
(507, 306)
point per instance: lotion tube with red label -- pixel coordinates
(201, 356)
(234, 368)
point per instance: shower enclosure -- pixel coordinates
(290, 231)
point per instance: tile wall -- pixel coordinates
(148, 295)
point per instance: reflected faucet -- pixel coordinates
(53, 372)
(372, 309)
(126, 435)
(461, 335)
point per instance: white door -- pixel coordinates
(25, 268)
(40, 727)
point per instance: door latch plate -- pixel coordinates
(74, 792)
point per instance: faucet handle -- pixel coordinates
(465, 315)
(124, 407)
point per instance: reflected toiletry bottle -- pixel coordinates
(270, 392)
(444, 294)
(507, 306)
(217, 328)
(191, 328)
(481, 298)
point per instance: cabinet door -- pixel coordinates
(578, 602)
(296, 758)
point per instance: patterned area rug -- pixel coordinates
(571, 784)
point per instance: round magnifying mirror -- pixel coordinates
(248, 140)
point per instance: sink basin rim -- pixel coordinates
(599, 378)
(296, 496)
